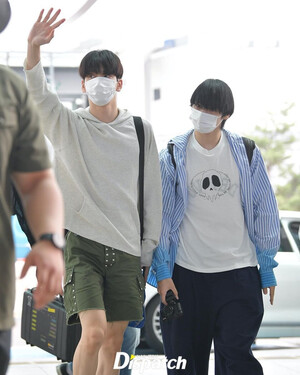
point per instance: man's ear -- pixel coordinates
(83, 89)
(119, 85)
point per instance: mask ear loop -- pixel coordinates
(223, 119)
(220, 123)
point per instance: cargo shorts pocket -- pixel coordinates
(69, 292)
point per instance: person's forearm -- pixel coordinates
(43, 207)
(33, 55)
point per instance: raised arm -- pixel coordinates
(41, 33)
(57, 119)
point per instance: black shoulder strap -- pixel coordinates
(139, 127)
(170, 149)
(249, 146)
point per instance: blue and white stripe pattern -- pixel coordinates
(257, 198)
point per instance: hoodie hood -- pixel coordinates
(123, 115)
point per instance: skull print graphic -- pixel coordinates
(211, 184)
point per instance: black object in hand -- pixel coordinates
(173, 308)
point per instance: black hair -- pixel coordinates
(214, 95)
(101, 61)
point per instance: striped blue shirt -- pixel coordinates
(257, 198)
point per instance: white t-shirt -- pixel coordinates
(213, 233)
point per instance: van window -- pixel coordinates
(285, 245)
(295, 231)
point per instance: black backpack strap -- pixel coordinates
(139, 127)
(249, 146)
(170, 149)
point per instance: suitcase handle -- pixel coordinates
(59, 297)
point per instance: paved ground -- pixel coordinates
(278, 356)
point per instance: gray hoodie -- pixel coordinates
(96, 166)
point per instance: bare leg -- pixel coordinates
(93, 323)
(111, 345)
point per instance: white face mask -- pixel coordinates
(204, 122)
(100, 90)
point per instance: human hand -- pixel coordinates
(272, 293)
(163, 286)
(42, 31)
(50, 271)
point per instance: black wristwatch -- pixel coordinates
(56, 239)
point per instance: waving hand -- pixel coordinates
(41, 33)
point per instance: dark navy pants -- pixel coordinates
(224, 307)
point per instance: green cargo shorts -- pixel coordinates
(99, 277)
